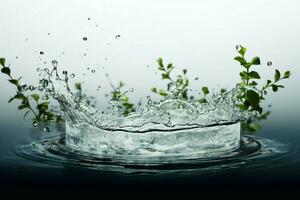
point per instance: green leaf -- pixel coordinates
(160, 63)
(254, 75)
(154, 90)
(165, 76)
(2, 62)
(163, 93)
(78, 86)
(255, 61)
(277, 75)
(222, 91)
(23, 106)
(264, 115)
(205, 90)
(253, 83)
(170, 66)
(241, 60)
(274, 88)
(287, 74)
(14, 81)
(5, 70)
(269, 82)
(36, 97)
(243, 74)
(242, 50)
(203, 100)
(252, 97)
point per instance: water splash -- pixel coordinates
(166, 127)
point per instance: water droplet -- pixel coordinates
(48, 33)
(54, 63)
(84, 38)
(131, 90)
(108, 44)
(89, 18)
(93, 70)
(88, 68)
(46, 129)
(38, 69)
(84, 54)
(269, 63)
(118, 36)
(46, 70)
(197, 78)
(148, 66)
(35, 124)
(105, 58)
(72, 75)
(31, 87)
(107, 75)
(17, 57)
(41, 53)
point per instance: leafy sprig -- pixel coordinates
(119, 95)
(41, 111)
(252, 94)
(176, 87)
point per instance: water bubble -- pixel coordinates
(38, 69)
(44, 83)
(269, 63)
(72, 75)
(46, 70)
(54, 63)
(23, 87)
(118, 36)
(89, 18)
(65, 73)
(41, 53)
(88, 68)
(35, 124)
(84, 38)
(17, 57)
(48, 33)
(148, 66)
(84, 54)
(105, 58)
(31, 87)
(107, 75)
(93, 70)
(46, 129)
(131, 90)
(197, 78)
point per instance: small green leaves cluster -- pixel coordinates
(40, 111)
(118, 95)
(178, 87)
(81, 96)
(252, 94)
(205, 92)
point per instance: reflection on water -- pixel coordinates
(52, 152)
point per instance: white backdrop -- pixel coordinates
(197, 34)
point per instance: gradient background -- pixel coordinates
(197, 34)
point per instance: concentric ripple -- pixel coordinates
(253, 152)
